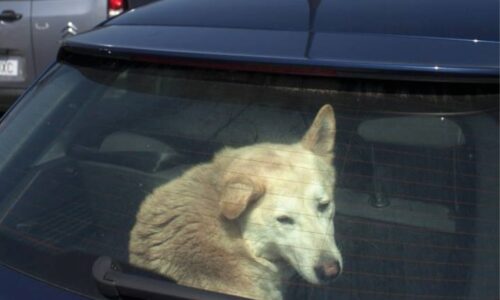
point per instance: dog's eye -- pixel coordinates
(285, 220)
(323, 206)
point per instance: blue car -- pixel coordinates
(408, 100)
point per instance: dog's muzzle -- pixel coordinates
(328, 270)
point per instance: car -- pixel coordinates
(408, 91)
(31, 32)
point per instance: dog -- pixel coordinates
(243, 223)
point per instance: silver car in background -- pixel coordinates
(31, 32)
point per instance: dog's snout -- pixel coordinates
(328, 270)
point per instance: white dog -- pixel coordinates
(244, 222)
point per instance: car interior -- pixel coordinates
(417, 171)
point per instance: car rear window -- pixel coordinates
(415, 187)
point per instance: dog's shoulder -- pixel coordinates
(179, 231)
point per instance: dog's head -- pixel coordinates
(282, 196)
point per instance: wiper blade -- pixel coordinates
(113, 282)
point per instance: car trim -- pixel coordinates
(289, 66)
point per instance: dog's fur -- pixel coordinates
(223, 226)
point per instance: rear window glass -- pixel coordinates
(252, 184)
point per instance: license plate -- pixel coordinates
(9, 67)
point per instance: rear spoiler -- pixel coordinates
(485, 76)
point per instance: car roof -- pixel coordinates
(414, 37)
(457, 19)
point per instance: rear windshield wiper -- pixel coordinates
(114, 283)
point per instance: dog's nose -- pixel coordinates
(328, 270)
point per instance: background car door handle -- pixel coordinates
(10, 16)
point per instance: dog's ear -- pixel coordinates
(237, 193)
(320, 137)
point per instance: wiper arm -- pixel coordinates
(113, 282)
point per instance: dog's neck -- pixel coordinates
(266, 254)
(270, 260)
(279, 273)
